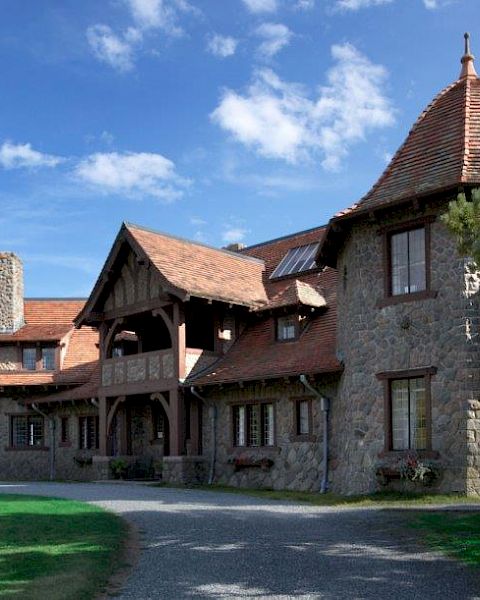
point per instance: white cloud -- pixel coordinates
(261, 6)
(197, 221)
(275, 37)
(132, 174)
(357, 4)
(118, 50)
(17, 156)
(159, 14)
(222, 46)
(305, 4)
(110, 48)
(279, 120)
(231, 235)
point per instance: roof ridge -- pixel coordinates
(284, 237)
(178, 238)
(413, 128)
(466, 132)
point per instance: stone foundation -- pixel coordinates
(183, 470)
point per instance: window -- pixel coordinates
(408, 273)
(48, 358)
(29, 359)
(253, 425)
(303, 417)
(26, 431)
(88, 433)
(297, 260)
(408, 412)
(64, 431)
(287, 328)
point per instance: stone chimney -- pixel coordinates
(11, 293)
(237, 247)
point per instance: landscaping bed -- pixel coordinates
(57, 549)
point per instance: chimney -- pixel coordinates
(11, 293)
(237, 247)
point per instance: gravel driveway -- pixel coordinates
(209, 545)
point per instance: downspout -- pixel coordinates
(325, 407)
(213, 413)
(51, 426)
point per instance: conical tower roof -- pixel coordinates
(442, 149)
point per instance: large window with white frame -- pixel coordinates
(253, 425)
(408, 264)
(26, 431)
(408, 413)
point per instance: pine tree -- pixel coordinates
(463, 221)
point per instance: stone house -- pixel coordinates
(313, 361)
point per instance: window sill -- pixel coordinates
(237, 450)
(401, 298)
(25, 448)
(427, 454)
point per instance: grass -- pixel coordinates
(56, 549)
(455, 534)
(387, 499)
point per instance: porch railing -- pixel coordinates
(147, 367)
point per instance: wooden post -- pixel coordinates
(102, 425)
(177, 425)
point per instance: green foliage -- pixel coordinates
(463, 221)
(56, 549)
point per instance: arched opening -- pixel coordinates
(139, 333)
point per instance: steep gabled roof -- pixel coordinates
(51, 320)
(440, 153)
(202, 271)
(187, 268)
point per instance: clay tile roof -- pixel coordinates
(45, 320)
(82, 392)
(441, 151)
(294, 294)
(203, 271)
(50, 320)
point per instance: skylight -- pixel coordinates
(297, 260)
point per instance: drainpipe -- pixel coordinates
(213, 413)
(51, 426)
(325, 407)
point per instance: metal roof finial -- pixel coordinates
(468, 68)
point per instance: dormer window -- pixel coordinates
(297, 260)
(287, 328)
(48, 358)
(29, 359)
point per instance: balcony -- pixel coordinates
(138, 373)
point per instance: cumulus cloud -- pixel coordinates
(132, 173)
(110, 48)
(231, 235)
(118, 49)
(357, 4)
(222, 46)
(18, 156)
(281, 120)
(261, 6)
(275, 37)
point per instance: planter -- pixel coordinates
(251, 463)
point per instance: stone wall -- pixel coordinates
(11, 293)
(297, 463)
(9, 358)
(72, 463)
(440, 332)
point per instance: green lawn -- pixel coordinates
(56, 549)
(387, 499)
(455, 534)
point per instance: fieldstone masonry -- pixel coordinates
(441, 332)
(11, 293)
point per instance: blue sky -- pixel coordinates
(215, 120)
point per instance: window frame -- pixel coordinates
(296, 434)
(387, 233)
(247, 405)
(387, 378)
(293, 316)
(12, 437)
(26, 348)
(96, 422)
